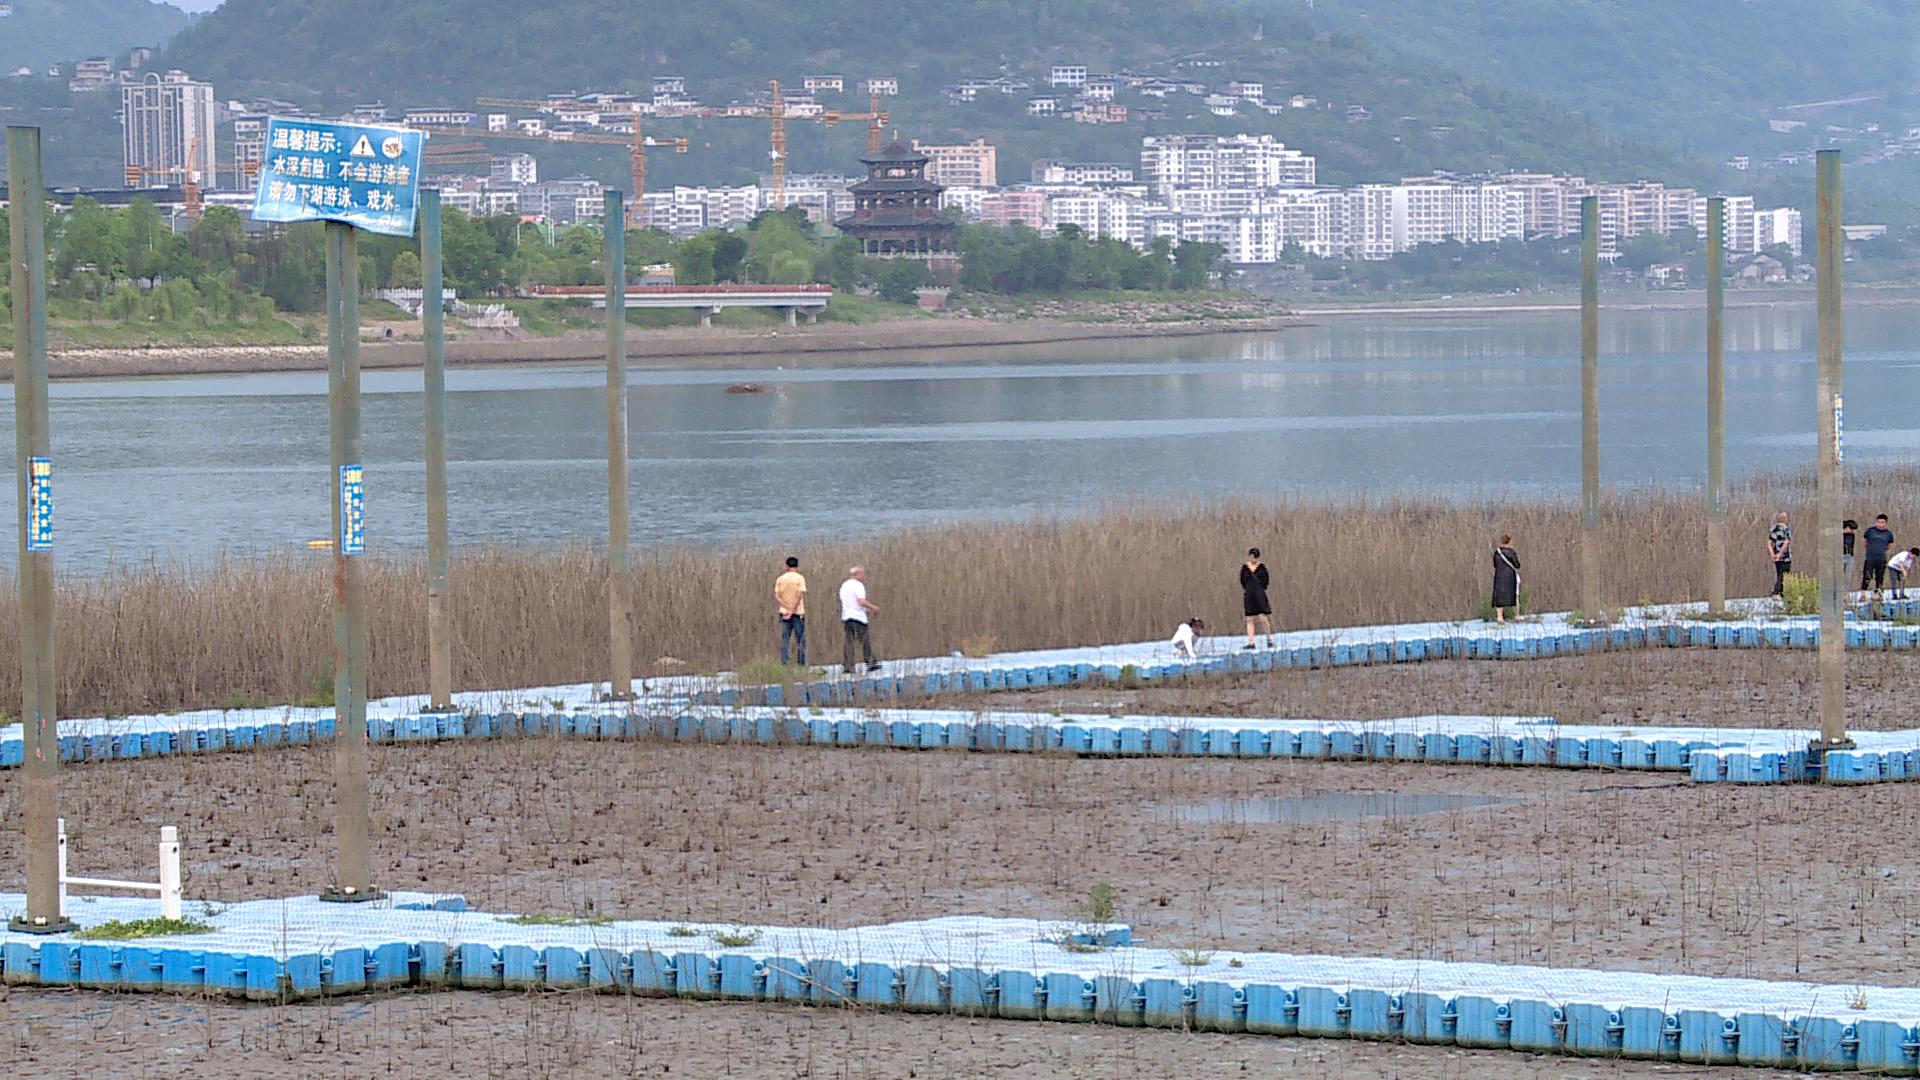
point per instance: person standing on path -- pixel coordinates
(1506, 579)
(1874, 566)
(1253, 596)
(854, 613)
(1780, 550)
(1848, 529)
(790, 597)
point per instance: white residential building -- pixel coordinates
(1222, 161)
(1072, 76)
(513, 169)
(821, 84)
(1780, 226)
(1043, 106)
(967, 200)
(1081, 172)
(885, 86)
(437, 117)
(1095, 212)
(1097, 90)
(167, 131)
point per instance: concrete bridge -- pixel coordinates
(707, 300)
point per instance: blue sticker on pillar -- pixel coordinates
(39, 504)
(353, 507)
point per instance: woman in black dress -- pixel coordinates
(1253, 596)
(1506, 580)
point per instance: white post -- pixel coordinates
(61, 829)
(169, 872)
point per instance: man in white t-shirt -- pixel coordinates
(1187, 637)
(855, 610)
(1902, 567)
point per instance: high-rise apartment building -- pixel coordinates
(167, 126)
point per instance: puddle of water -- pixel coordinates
(1331, 806)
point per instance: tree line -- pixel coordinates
(130, 263)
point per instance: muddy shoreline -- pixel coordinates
(678, 347)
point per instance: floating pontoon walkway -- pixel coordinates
(277, 950)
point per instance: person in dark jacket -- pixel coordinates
(1873, 566)
(1253, 597)
(1506, 580)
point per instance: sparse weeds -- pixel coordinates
(736, 938)
(1858, 999)
(118, 930)
(550, 919)
(1800, 594)
(682, 931)
(1193, 957)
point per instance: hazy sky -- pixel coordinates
(195, 5)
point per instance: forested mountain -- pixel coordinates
(1417, 116)
(40, 33)
(1697, 73)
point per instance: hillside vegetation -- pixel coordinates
(45, 32)
(1701, 73)
(1424, 116)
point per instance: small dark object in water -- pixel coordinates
(746, 388)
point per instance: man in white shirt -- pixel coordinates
(854, 612)
(1185, 637)
(1902, 565)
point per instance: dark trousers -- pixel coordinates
(1781, 569)
(857, 632)
(1874, 570)
(793, 629)
(1899, 585)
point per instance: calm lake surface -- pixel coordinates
(182, 469)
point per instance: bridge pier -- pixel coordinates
(706, 316)
(813, 316)
(793, 316)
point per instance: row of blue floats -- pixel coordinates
(1691, 1035)
(1705, 761)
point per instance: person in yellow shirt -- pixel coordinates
(790, 596)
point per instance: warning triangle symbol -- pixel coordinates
(363, 147)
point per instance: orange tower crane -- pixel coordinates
(188, 177)
(637, 144)
(777, 115)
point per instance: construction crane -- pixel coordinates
(637, 145)
(777, 116)
(187, 175)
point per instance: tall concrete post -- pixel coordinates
(345, 491)
(619, 598)
(1833, 641)
(33, 487)
(433, 327)
(1716, 494)
(1590, 408)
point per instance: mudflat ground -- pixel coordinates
(583, 1037)
(1625, 871)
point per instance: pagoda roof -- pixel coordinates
(886, 219)
(895, 151)
(894, 183)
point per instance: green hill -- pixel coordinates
(1694, 73)
(40, 33)
(426, 52)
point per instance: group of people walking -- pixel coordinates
(1876, 557)
(856, 616)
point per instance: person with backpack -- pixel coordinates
(1253, 597)
(1506, 579)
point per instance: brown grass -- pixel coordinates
(260, 631)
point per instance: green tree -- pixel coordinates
(406, 271)
(693, 261)
(899, 280)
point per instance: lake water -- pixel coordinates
(182, 468)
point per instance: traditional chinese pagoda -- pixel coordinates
(897, 209)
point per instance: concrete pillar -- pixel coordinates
(706, 316)
(793, 316)
(813, 316)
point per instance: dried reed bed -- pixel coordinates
(242, 632)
